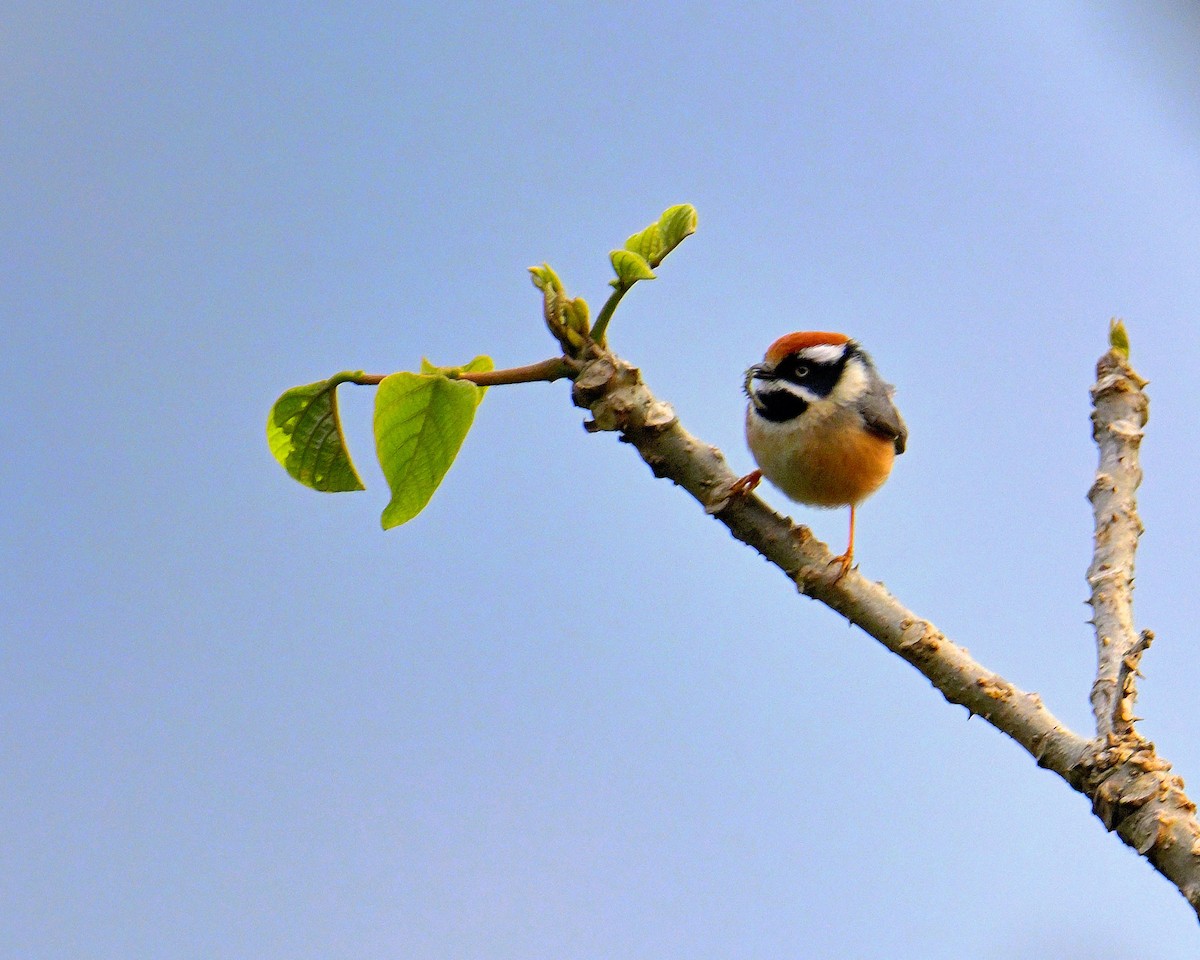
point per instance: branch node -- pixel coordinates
(658, 416)
(995, 688)
(918, 633)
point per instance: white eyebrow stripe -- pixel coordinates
(823, 352)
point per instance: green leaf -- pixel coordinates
(480, 364)
(643, 252)
(421, 420)
(544, 278)
(305, 434)
(630, 267)
(648, 245)
(664, 235)
(1118, 337)
(675, 225)
(577, 318)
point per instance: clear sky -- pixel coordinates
(563, 714)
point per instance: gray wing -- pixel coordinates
(881, 415)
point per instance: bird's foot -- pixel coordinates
(844, 562)
(745, 485)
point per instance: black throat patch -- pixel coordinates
(778, 404)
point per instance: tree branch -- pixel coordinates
(1120, 410)
(1130, 788)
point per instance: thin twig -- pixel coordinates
(555, 368)
(600, 328)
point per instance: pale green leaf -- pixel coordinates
(305, 434)
(648, 245)
(577, 317)
(676, 224)
(421, 420)
(1118, 337)
(544, 278)
(664, 235)
(630, 267)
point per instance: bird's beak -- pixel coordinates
(760, 371)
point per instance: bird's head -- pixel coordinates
(806, 368)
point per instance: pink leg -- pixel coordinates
(847, 558)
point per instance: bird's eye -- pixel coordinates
(802, 371)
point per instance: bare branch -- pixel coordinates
(1130, 787)
(620, 401)
(1120, 410)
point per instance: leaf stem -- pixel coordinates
(600, 327)
(555, 368)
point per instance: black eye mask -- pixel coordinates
(816, 377)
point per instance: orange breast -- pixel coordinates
(828, 464)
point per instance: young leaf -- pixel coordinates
(421, 420)
(630, 267)
(553, 297)
(577, 317)
(544, 278)
(304, 432)
(664, 235)
(675, 225)
(1118, 337)
(648, 245)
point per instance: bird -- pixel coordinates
(821, 424)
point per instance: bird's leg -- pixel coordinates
(848, 557)
(746, 484)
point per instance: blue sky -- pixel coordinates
(562, 714)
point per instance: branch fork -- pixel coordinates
(1131, 788)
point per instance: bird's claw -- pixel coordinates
(743, 486)
(844, 561)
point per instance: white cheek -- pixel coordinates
(852, 385)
